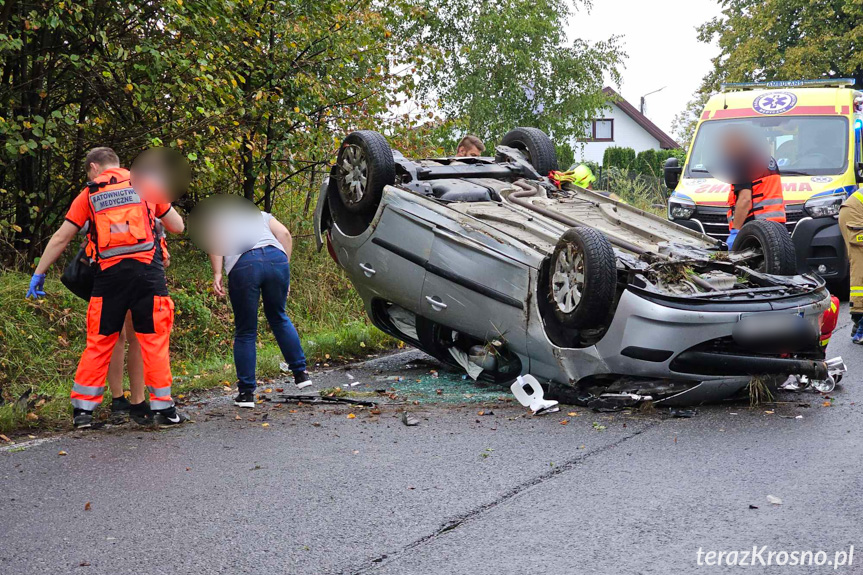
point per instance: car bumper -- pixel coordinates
(655, 341)
(820, 248)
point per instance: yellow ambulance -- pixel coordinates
(813, 128)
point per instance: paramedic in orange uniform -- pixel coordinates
(130, 277)
(756, 186)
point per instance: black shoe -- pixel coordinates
(302, 379)
(120, 405)
(245, 399)
(169, 417)
(140, 413)
(82, 419)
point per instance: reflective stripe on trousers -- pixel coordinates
(160, 397)
(87, 396)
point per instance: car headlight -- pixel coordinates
(824, 206)
(680, 209)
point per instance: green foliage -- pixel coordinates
(565, 155)
(498, 64)
(778, 40)
(651, 162)
(254, 93)
(640, 191)
(618, 157)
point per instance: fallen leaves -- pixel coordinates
(62, 453)
(598, 427)
(87, 506)
(4, 438)
(564, 421)
(351, 416)
(265, 425)
(32, 417)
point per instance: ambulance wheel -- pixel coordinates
(774, 242)
(364, 166)
(536, 145)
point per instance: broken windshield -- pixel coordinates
(801, 145)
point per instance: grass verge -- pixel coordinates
(41, 341)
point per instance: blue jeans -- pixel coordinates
(262, 272)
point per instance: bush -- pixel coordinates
(651, 162)
(565, 155)
(617, 157)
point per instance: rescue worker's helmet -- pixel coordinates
(583, 176)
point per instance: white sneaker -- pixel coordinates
(302, 380)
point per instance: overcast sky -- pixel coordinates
(660, 40)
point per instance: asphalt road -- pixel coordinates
(317, 491)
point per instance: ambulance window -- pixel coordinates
(801, 145)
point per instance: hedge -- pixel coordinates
(617, 157)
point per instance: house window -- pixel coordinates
(601, 130)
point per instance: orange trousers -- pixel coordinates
(136, 288)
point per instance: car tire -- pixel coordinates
(536, 145)
(773, 239)
(582, 279)
(364, 166)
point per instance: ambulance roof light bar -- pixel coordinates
(827, 82)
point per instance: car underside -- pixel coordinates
(490, 267)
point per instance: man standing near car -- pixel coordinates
(130, 277)
(756, 186)
(469, 147)
(851, 226)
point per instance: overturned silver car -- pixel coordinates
(486, 265)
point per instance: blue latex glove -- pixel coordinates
(37, 286)
(731, 237)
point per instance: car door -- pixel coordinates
(390, 263)
(472, 288)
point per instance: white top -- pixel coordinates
(266, 239)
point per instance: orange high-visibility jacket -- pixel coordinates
(768, 202)
(123, 224)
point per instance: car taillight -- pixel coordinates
(330, 249)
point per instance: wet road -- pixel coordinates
(309, 489)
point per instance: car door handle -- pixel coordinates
(436, 303)
(368, 270)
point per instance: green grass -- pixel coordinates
(40, 342)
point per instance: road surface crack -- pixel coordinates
(508, 495)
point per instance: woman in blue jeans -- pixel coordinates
(263, 271)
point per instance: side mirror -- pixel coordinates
(858, 172)
(672, 171)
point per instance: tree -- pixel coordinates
(763, 40)
(498, 64)
(254, 93)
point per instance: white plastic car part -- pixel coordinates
(535, 399)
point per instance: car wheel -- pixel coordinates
(538, 148)
(582, 278)
(364, 166)
(774, 242)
